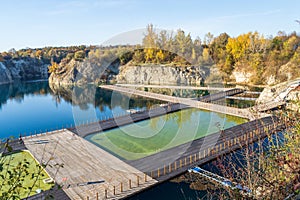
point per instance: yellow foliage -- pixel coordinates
(149, 54)
(160, 56)
(53, 68)
(38, 54)
(205, 55)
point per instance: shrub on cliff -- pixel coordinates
(79, 55)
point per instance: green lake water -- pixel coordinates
(148, 137)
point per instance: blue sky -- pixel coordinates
(39, 23)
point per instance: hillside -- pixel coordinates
(249, 58)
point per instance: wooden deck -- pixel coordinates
(85, 163)
(244, 113)
(92, 173)
(96, 127)
(175, 161)
(180, 87)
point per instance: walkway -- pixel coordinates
(244, 113)
(175, 87)
(172, 162)
(116, 121)
(88, 171)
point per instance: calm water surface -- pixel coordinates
(148, 137)
(34, 107)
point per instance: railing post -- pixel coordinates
(129, 183)
(114, 190)
(97, 196)
(138, 180)
(121, 187)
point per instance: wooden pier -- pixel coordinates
(176, 87)
(172, 162)
(88, 172)
(244, 113)
(92, 173)
(116, 121)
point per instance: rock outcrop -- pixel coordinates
(159, 74)
(242, 76)
(288, 91)
(83, 72)
(23, 70)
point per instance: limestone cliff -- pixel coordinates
(23, 69)
(160, 74)
(284, 91)
(83, 72)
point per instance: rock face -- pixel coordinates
(284, 91)
(241, 77)
(23, 69)
(5, 75)
(87, 71)
(158, 74)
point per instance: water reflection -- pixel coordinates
(18, 90)
(36, 106)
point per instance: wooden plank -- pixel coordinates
(83, 162)
(244, 113)
(103, 125)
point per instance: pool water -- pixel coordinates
(148, 137)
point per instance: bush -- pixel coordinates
(79, 55)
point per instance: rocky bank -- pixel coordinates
(22, 70)
(83, 72)
(160, 74)
(287, 91)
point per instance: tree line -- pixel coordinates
(251, 52)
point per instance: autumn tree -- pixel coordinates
(53, 67)
(150, 39)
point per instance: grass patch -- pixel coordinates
(11, 163)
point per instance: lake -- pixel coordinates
(35, 106)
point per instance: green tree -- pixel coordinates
(79, 55)
(218, 48)
(139, 57)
